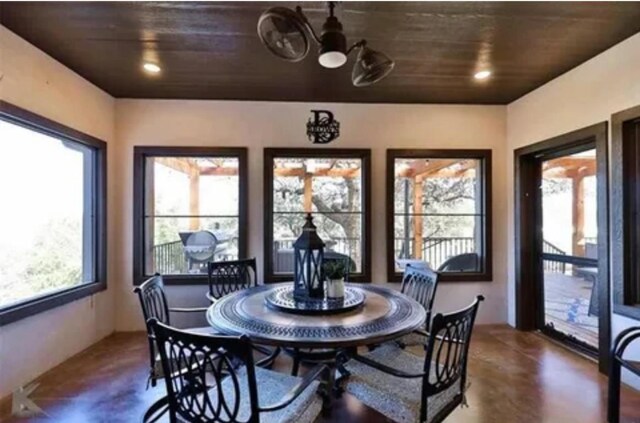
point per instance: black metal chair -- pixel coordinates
(419, 283)
(616, 363)
(214, 379)
(408, 388)
(226, 277)
(153, 301)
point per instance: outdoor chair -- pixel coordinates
(214, 379)
(467, 262)
(408, 388)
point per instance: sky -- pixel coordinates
(41, 180)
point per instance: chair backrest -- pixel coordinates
(448, 349)
(205, 376)
(153, 300)
(420, 283)
(226, 277)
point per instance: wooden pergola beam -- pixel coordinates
(301, 172)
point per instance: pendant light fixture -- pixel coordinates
(285, 33)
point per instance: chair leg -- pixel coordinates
(296, 362)
(613, 402)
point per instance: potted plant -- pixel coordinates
(334, 271)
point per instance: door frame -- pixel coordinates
(528, 288)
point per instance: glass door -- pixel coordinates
(569, 251)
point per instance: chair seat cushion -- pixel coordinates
(397, 398)
(272, 388)
(412, 339)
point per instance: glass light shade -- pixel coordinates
(371, 66)
(332, 59)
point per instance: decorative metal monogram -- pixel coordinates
(322, 128)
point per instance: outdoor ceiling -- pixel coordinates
(211, 50)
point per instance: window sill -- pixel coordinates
(38, 305)
(629, 311)
(453, 277)
(200, 279)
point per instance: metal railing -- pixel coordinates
(169, 258)
(549, 265)
(435, 250)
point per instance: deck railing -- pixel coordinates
(435, 250)
(169, 257)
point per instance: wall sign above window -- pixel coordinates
(322, 128)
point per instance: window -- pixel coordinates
(438, 211)
(190, 207)
(625, 206)
(52, 243)
(332, 184)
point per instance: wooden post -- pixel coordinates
(417, 217)
(308, 192)
(578, 215)
(194, 198)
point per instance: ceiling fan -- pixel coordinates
(285, 33)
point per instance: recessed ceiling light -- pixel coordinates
(482, 74)
(151, 67)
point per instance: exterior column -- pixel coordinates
(194, 198)
(417, 217)
(578, 215)
(308, 192)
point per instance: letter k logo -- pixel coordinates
(22, 406)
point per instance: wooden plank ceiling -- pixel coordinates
(211, 50)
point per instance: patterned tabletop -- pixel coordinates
(386, 314)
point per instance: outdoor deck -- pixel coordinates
(567, 300)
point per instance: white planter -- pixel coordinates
(335, 288)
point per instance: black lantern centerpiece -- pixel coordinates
(308, 251)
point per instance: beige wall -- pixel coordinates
(261, 124)
(34, 81)
(586, 95)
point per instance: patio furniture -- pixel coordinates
(386, 315)
(153, 302)
(201, 247)
(616, 363)
(227, 277)
(222, 383)
(467, 262)
(419, 284)
(408, 388)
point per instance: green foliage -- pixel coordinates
(56, 257)
(334, 269)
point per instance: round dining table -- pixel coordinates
(386, 314)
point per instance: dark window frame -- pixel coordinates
(527, 229)
(485, 158)
(38, 304)
(140, 154)
(625, 205)
(338, 153)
